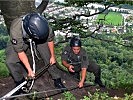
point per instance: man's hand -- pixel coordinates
(31, 74)
(52, 60)
(71, 68)
(81, 84)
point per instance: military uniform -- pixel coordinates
(80, 61)
(20, 43)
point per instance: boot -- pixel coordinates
(99, 82)
(58, 84)
(18, 92)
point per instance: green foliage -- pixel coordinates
(128, 97)
(2, 56)
(104, 96)
(4, 38)
(3, 41)
(100, 96)
(3, 30)
(96, 96)
(3, 69)
(68, 96)
(115, 61)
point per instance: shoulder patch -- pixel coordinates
(65, 52)
(14, 41)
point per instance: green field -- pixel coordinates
(112, 18)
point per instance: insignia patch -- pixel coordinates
(14, 41)
(65, 52)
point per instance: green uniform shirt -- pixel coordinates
(16, 35)
(80, 59)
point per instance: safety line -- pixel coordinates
(33, 93)
(36, 93)
(33, 60)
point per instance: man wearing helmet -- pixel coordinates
(31, 28)
(75, 59)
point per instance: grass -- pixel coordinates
(4, 72)
(112, 18)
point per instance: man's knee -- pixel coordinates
(94, 68)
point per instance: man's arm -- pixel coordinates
(22, 56)
(83, 76)
(68, 66)
(51, 48)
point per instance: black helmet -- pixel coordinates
(75, 42)
(36, 26)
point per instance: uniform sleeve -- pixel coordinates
(65, 54)
(51, 35)
(84, 59)
(16, 35)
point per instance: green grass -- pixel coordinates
(3, 69)
(112, 18)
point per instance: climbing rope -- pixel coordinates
(41, 92)
(32, 43)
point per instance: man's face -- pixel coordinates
(76, 50)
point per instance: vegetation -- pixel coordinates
(4, 38)
(96, 96)
(3, 69)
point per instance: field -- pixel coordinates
(112, 18)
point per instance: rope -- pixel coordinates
(33, 59)
(35, 93)
(52, 90)
(14, 90)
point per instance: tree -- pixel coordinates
(11, 9)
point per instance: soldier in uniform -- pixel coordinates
(75, 59)
(32, 27)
